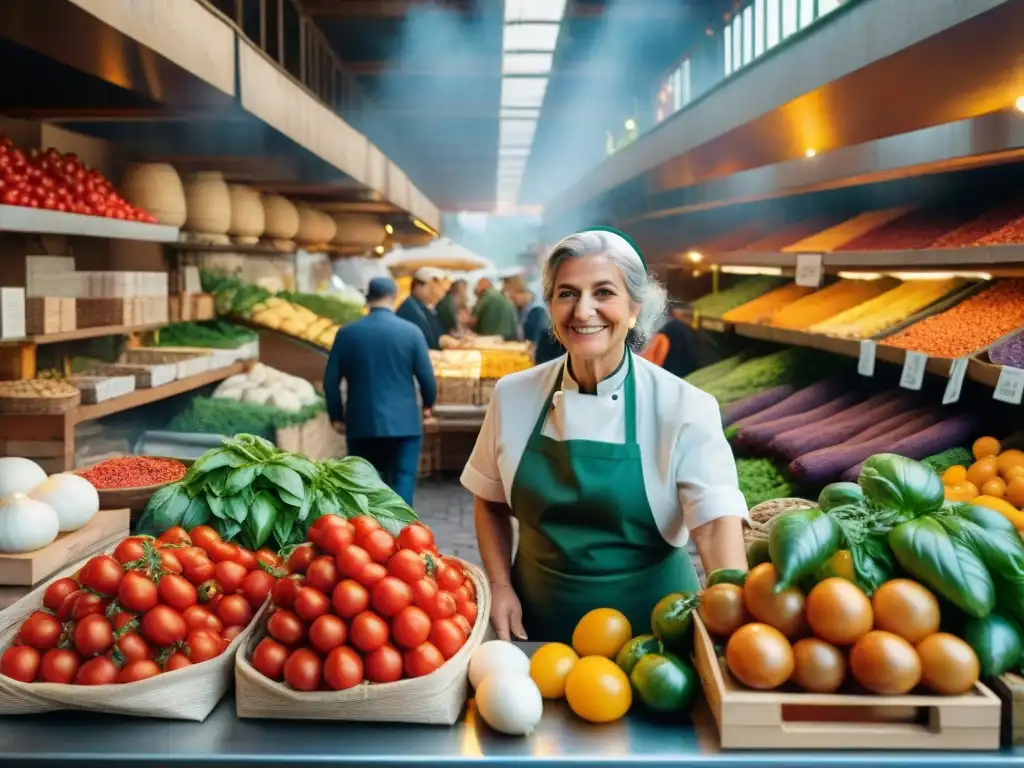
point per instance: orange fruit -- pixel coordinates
(954, 475)
(597, 690)
(1015, 492)
(549, 668)
(985, 446)
(981, 471)
(838, 612)
(601, 632)
(907, 609)
(994, 487)
(1008, 459)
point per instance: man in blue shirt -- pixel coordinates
(381, 358)
(427, 290)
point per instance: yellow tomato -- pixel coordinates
(601, 632)
(961, 492)
(985, 446)
(981, 471)
(841, 565)
(994, 487)
(954, 475)
(1005, 508)
(1012, 473)
(1009, 459)
(1015, 492)
(549, 668)
(597, 690)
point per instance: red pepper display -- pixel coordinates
(134, 472)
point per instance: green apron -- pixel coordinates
(587, 536)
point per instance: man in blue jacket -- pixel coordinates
(379, 357)
(419, 308)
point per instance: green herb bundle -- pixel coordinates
(255, 494)
(220, 416)
(215, 335)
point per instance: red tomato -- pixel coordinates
(256, 587)
(190, 555)
(203, 645)
(443, 606)
(368, 631)
(231, 633)
(222, 550)
(300, 558)
(448, 637)
(204, 536)
(422, 660)
(322, 574)
(137, 592)
(201, 617)
(343, 669)
(310, 603)
(363, 525)
(302, 670)
(176, 591)
(84, 604)
(371, 574)
(230, 576)
(234, 611)
(379, 544)
(462, 595)
(199, 570)
(424, 593)
(464, 625)
(326, 633)
(269, 558)
(93, 635)
(246, 558)
(124, 617)
(336, 538)
(20, 662)
(351, 561)
(130, 549)
(169, 561)
(350, 598)
(163, 626)
(177, 660)
(468, 611)
(448, 578)
(284, 592)
(407, 566)
(134, 647)
(59, 665)
(390, 595)
(383, 665)
(286, 627)
(98, 671)
(416, 537)
(134, 671)
(410, 627)
(101, 574)
(269, 657)
(175, 535)
(470, 588)
(41, 630)
(57, 591)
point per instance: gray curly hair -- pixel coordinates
(644, 291)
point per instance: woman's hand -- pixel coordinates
(506, 612)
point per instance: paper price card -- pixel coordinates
(1010, 386)
(957, 371)
(866, 363)
(913, 370)
(808, 269)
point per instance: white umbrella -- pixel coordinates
(441, 253)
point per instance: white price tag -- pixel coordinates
(957, 371)
(1010, 387)
(913, 370)
(808, 269)
(866, 364)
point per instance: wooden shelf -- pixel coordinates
(80, 333)
(15, 218)
(259, 249)
(983, 258)
(142, 397)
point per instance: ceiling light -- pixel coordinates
(526, 63)
(695, 256)
(631, 124)
(940, 275)
(389, 229)
(860, 275)
(379, 249)
(530, 37)
(1020, 104)
(774, 271)
(810, 152)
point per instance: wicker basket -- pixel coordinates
(759, 523)
(184, 694)
(437, 699)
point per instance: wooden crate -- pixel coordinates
(1010, 690)
(792, 720)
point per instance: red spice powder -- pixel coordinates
(134, 472)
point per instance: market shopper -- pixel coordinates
(494, 314)
(608, 463)
(452, 306)
(381, 358)
(419, 307)
(676, 346)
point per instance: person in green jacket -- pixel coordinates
(451, 305)
(494, 314)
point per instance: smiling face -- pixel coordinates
(590, 308)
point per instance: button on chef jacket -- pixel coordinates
(688, 468)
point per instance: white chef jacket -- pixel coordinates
(688, 468)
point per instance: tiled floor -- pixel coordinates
(447, 508)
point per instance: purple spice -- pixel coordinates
(1009, 352)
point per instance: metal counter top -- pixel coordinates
(562, 739)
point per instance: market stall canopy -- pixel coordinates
(441, 253)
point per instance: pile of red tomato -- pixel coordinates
(58, 182)
(155, 605)
(363, 605)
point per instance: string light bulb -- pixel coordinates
(810, 152)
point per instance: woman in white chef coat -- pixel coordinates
(608, 462)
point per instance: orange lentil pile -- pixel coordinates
(968, 327)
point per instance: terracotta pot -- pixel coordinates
(209, 203)
(156, 188)
(281, 216)
(248, 219)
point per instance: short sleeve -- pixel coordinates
(706, 471)
(482, 476)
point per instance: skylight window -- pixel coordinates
(519, 113)
(530, 37)
(523, 91)
(516, 133)
(526, 63)
(534, 10)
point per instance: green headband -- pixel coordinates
(624, 236)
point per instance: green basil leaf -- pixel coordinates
(873, 563)
(198, 513)
(228, 529)
(286, 498)
(946, 565)
(236, 508)
(300, 464)
(173, 510)
(217, 506)
(305, 507)
(357, 474)
(240, 478)
(288, 480)
(988, 519)
(162, 496)
(899, 488)
(800, 542)
(327, 504)
(215, 459)
(284, 524)
(262, 516)
(217, 481)
(838, 494)
(352, 503)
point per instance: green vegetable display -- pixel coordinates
(748, 289)
(952, 457)
(251, 492)
(214, 335)
(709, 373)
(997, 642)
(760, 480)
(788, 366)
(220, 416)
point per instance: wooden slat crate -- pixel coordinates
(1010, 689)
(794, 720)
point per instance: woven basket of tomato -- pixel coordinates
(367, 626)
(148, 629)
